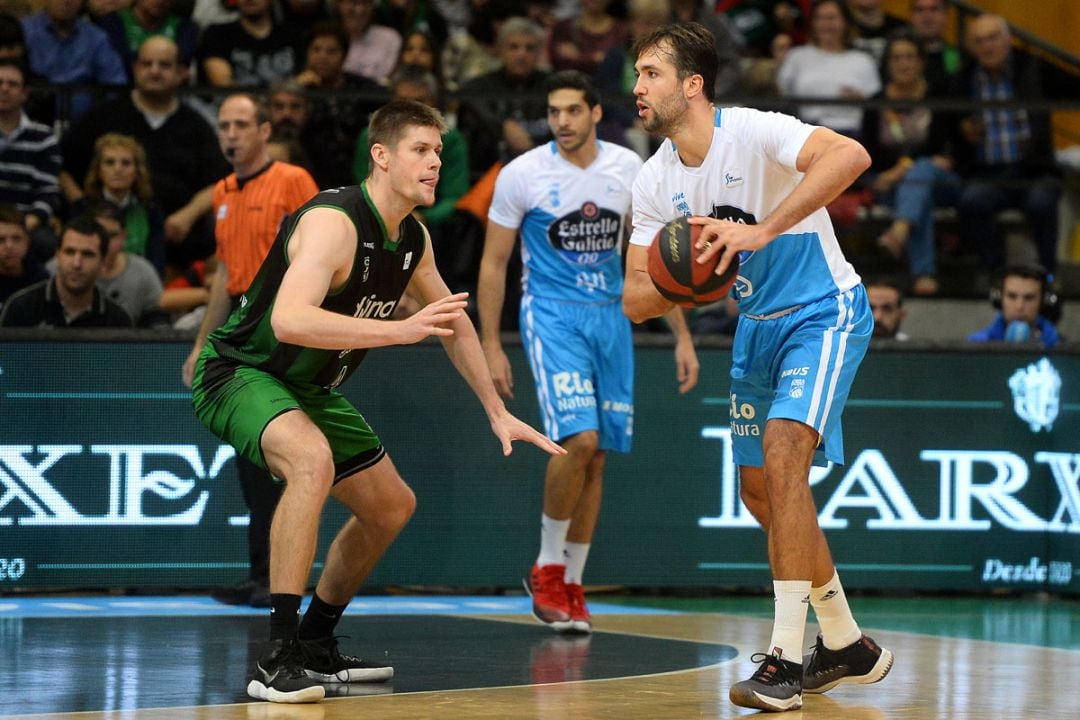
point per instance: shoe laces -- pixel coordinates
(295, 654)
(549, 578)
(772, 669)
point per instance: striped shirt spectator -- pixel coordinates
(29, 152)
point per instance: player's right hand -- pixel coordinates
(501, 375)
(432, 319)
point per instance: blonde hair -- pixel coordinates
(140, 187)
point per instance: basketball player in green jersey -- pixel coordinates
(266, 383)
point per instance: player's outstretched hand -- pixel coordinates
(508, 428)
(432, 318)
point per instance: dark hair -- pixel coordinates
(329, 28)
(886, 283)
(390, 122)
(11, 215)
(19, 65)
(98, 207)
(416, 75)
(899, 35)
(845, 12)
(1029, 271)
(86, 225)
(573, 80)
(690, 47)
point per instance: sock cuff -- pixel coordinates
(791, 586)
(827, 591)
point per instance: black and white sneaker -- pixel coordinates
(863, 661)
(279, 675)
(775, 686)
(324, 663)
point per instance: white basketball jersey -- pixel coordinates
(747, 173)
(571, 220)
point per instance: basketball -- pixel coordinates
(676, 273)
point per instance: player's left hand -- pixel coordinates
(508, 428)
(727, 237)
(687, 367)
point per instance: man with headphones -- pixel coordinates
(1027, 308)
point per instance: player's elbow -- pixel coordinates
(859, 158)
(634, 309)
(285, 325)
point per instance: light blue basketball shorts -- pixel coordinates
(582, 360)
(798, 366)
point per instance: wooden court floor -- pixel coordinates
(955, 658)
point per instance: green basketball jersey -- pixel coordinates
(381, 271)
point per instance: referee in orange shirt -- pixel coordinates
(249, 205)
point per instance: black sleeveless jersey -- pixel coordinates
(380, 273)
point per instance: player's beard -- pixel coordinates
(667, 115)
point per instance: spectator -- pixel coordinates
(119, 173)
(579, 43)
(421, 49)
(508, 103)
(408, 16)
(415, 83)
(12, 38)
(181, 150)
(943, 59)
(98, 9)
(616, 77)
(467, 56)
(71, 299)
(214, 12)
(335, 120)
(29, 161)
(729, 42)
(65, 49)
(1005, 154)
(126, 279)
(18, 266)
(129, 28)
(911, 170)
(760, 21)
(887, 302)
(373, 49)
(1023, 300)
(872, 26)
(253, 51)
(830, 68)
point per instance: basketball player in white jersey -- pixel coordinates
(757, 184)
(569, 199)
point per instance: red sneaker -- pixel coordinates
(548, 593)
(579, 611)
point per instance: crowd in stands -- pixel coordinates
(113, 104)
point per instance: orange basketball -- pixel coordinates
(676, 273)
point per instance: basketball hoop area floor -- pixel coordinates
(173, 658)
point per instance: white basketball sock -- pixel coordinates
(789, 623)
(838, 627)
(576, 554)
(552, 541)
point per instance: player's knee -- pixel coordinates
(312, 467)
(399, 508)
(584, 445)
